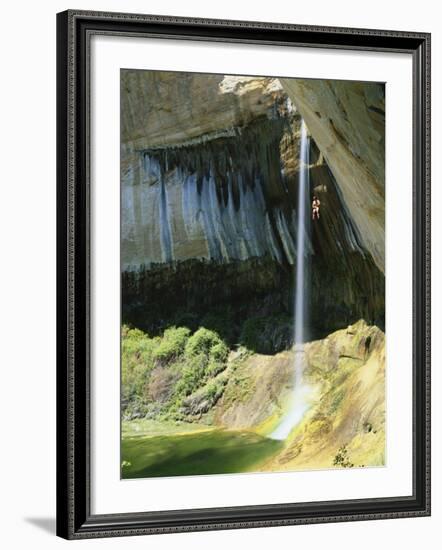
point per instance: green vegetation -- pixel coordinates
(192, 374)
(219, 352)
(172, 344)
(175, 376)
(342, 459)
(137, 363)
(202, 342)
(239, 390)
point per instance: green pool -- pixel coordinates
(198, 453)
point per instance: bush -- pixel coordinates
(215, 388)
(342, 458)
(172, 344)
(219, 352)
(132, 339)
(202, 342)
(146, 350)
(192, 374)
(204, 398)
(137, 350)
(214, 368)
(188, 363)
(132, 333)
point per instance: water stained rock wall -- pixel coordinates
(225, 199)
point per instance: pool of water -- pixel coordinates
(207, 452)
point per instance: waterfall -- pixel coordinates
(299, 397)
(301, 237)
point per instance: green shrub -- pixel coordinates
(219, 352)
(131, 339)
(192, 374)
(214, 368)
(200, 401)
(132, 333)
(146, 350)
(202, 342)
(172, 344)
(190, 361)
(215, 388)
(342, 458)
(136, 365)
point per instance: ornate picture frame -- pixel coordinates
(75, 518)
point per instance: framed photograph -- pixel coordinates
(243, 274)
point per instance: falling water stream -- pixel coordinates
(299, 401)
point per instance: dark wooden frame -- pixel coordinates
(74, 519)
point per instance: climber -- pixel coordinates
(315, 208)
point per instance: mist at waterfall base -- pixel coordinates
(299, 401)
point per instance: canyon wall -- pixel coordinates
(209, 172)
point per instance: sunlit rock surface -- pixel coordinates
(347, 121)
(345, 427)
(171, 108)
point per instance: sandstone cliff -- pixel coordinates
(347, 421)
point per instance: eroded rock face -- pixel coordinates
(256, 390)
(346, 426)
(347, 121)
(224, 199)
